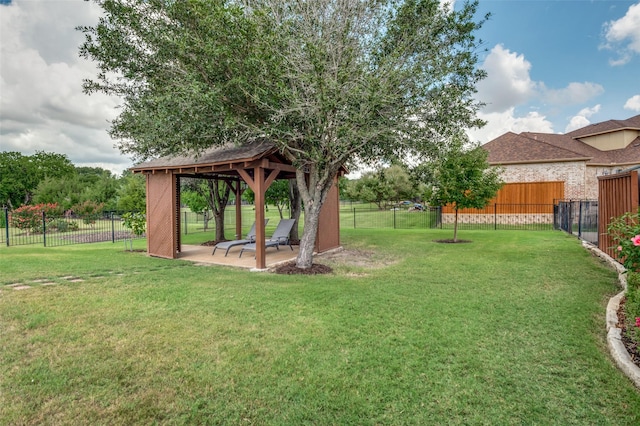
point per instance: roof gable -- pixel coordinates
(606, 127)
(527, 148)
(530, 147)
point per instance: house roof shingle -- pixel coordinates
(606, 126)
(529, 147)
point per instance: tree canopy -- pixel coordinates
(327, 81)
(464, 179)
(383, 186)
(20, 174)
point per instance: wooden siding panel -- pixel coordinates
(328, 236)
(162, 220)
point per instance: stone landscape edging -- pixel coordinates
(617, 348)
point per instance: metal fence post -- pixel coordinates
(580, 220)
(394, 218)
(6, 224)
(495, 216)
(570, 218)
(354, 218)
(113, 229)
(44, 228)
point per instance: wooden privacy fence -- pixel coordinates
(534, 194)
(617, 195)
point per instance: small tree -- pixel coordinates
(197, 203)
(216, 193)
(464, 179)
(278, 195)
(383, 186)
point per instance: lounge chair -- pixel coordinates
(251, 237)
(280, 236)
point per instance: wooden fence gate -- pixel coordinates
(617, 195)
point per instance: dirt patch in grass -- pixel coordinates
(451, 241)
(349, 259)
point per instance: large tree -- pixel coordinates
(328, 81)
(20, 174)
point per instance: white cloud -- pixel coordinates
(623, 35)
(509, 85)
(499, 123)
(42, 105)
(508, 82)
(581, 119)
(633, 103)
(574, 93)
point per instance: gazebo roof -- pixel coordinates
(224, 160)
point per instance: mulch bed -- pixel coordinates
(633, 348)
(292, 269)
(451, 241)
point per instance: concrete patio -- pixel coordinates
(202, 254)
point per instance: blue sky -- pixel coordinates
(558, 65)
(553, 66)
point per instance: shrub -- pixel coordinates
(29, 218)
(90, 211)
(625, 231)
(62, 225)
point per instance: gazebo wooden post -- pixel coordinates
(238, 192)
(258, 179)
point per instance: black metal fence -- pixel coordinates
(493, 217)
(578, 217)
(60, 230)
(397, 218)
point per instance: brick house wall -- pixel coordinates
(572, 173)
(580, 179)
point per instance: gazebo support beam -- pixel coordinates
(260, 189)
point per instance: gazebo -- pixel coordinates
(258, 164)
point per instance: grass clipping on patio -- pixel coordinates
(507, 330)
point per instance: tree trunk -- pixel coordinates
(219, 221)
(217, 199)
(314, 193)
(308, 241)
(295, 209)
(455, 226)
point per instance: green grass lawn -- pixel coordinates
(508, 329)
